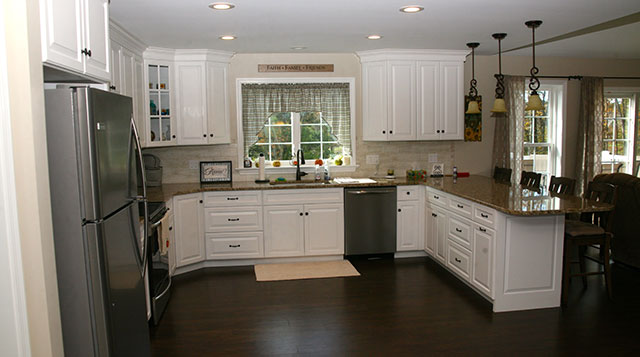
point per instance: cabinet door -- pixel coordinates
(61, 31)
(408, 227)
(127, 66)
(217, 104)
(172, 245)
(324, 229)
(482, 270)
(283, 231)
(401, 120)
(374, 101)
(428, 95)
(96, 38)
(440, 230)
(188, 224)
(138, 99)
(115, 67)
(430, 231)
(191, 103)
(451, 101)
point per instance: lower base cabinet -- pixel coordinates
(436, 232)
(482, 272)
(283, 231)
(188, 224)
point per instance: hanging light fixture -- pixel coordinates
(498, 105)
(534, 102)
(473, 92)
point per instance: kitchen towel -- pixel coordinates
(163, 234)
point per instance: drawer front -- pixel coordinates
(235, 245)
(459, 260)
(408, 193)
(484, 215)
(437, 197)
(233, 220)
(461, 207)
(232, 198)
(460, 230)
(302, 196)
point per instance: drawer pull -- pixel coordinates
(436, 197)
(460, 206)
(234, 245)
(233, 219)
(484, 215)
(458, 230)
(457, 260)
(232, 198)
(434, 215)
(481, 229)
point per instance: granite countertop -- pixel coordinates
(511, 199)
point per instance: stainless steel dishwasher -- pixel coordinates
(370, 220)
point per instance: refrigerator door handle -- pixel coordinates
(143, 198)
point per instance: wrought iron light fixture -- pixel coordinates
(498, 104)
(473, 92)
(534, 102)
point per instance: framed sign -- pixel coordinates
(215, 171)
(295, 68)
(437, 170)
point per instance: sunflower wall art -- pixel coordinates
(472, 122)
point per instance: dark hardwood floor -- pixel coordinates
(397, 307)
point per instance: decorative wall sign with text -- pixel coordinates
(295, 68)
(472, 122)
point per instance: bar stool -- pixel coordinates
(502, 174)
(530, 179)
(593, 228)
(562, 185)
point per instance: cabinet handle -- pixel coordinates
(399, 210)
(170, 228)
(460, 206)
(434, 215)
(301, 213)
(484, 215)
(86, 52)
(232, 198)
(436, 197)
(112, 87)
(234, 245)
(233, 219)
(458, 230)
(306, 213)
(481, 229)
(457, 260)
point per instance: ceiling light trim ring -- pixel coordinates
(221, 6)
(411, 9)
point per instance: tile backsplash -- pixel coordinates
(399, 156)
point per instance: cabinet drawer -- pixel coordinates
(302, 196)
(234, 245)
(460, 231)
(461, 207)
(459, 260)
(484, 215)
(233, 220)
(408, 193)
(437, 197)
(232, 198)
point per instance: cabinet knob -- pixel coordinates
(390, 131)
(173, 136)
(301, 213)
(306, 213)
(384, 132)
(200, 201)
(408, 193)
(204, 135)
(437, 131)
(170, 228)
(211, 135)
(399, 209)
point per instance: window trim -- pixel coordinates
(633, 92)
(240, 130)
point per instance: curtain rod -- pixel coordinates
(580, 77)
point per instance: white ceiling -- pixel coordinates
(342, 25)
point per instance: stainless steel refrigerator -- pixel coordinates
(94, 155)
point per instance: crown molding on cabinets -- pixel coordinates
(412, 54)
(118, 34)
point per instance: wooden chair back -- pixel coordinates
(601, 192)
(502, 174)
(530, 179)
(562, 185)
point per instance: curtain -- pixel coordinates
(508, 135)
(589, 131)
(259, 101)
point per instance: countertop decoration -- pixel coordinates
(215, 171)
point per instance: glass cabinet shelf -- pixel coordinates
(159, 104)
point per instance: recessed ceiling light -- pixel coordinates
(298, 48)
(221, 6)
(411, 9)
(227, 37)
(374, 37)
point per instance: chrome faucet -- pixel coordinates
(299, 160)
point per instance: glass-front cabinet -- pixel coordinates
(161, 125)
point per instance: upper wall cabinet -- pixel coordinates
(75, 36)
(412, 94)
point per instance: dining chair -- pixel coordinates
(502, 174)
(593, 228)
(562, 185)
(530, 179)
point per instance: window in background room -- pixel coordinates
(543, 135)
(618, 127)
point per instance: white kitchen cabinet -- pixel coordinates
(160, 119)
(436, 233)
(188, 224)
(172, 244)
(191, 103)
(412, 94)
(75, 36)
(283, 231)
(218, 119)
(408, 226)
(138, 99)
(115, 66)
(324, 229)
(482, 270)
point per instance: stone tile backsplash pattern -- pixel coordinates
(399, 156)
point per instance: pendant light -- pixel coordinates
(498, 105)
(473, 92)
(534, 102)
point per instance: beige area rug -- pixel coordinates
(307, 270)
